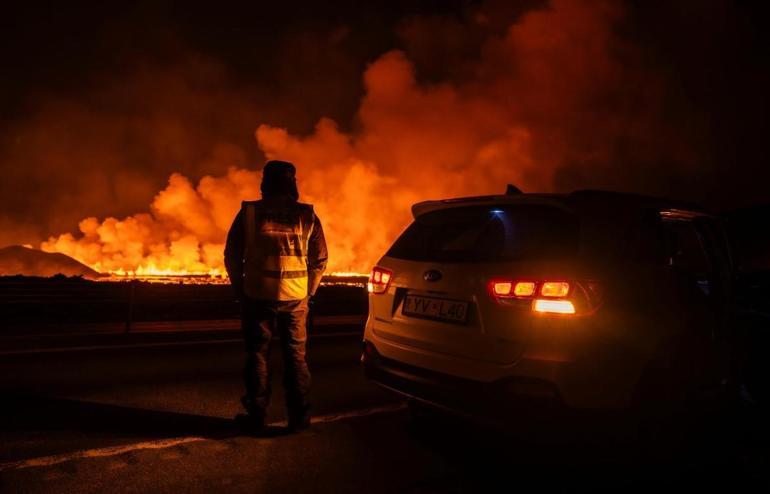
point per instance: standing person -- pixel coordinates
(275, 256)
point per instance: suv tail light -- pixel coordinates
(502, 288)
(548, 296)
(512, 289)
(525, 288)
(553, 306)
(379, 280)
(554, 289)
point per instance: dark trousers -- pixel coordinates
(260, 321)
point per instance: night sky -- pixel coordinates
(101, 102)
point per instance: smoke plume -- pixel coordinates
(552, 97)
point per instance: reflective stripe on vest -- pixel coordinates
(275, 260)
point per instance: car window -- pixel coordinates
(688, 250)
(717, 244)
(489, 233)
(692, 254)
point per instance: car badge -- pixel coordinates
(432, 275)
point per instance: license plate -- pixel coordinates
(439, 309)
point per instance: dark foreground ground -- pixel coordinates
(90, 407)
(132, 416)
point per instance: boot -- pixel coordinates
(253, 421)
(299, 420)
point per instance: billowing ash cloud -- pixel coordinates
(554, 89)
(565, 95)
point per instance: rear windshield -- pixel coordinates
(489, 233)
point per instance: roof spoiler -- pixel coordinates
(512, 190)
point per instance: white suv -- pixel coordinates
(591, 299)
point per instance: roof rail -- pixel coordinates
(681, 214)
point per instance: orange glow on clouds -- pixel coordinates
(510, 122)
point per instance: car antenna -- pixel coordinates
(512, 190)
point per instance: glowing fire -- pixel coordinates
(525, 109)
(142, 272)
(215, 277)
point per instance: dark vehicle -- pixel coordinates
(592, 300)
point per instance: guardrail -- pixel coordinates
(26, 303)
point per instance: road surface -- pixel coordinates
(151, 412)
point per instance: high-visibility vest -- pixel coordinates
(275, 255)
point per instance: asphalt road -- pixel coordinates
(130, 415)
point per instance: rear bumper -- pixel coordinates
(494, 401)
(601, 380)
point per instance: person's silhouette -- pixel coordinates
(275, 256)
